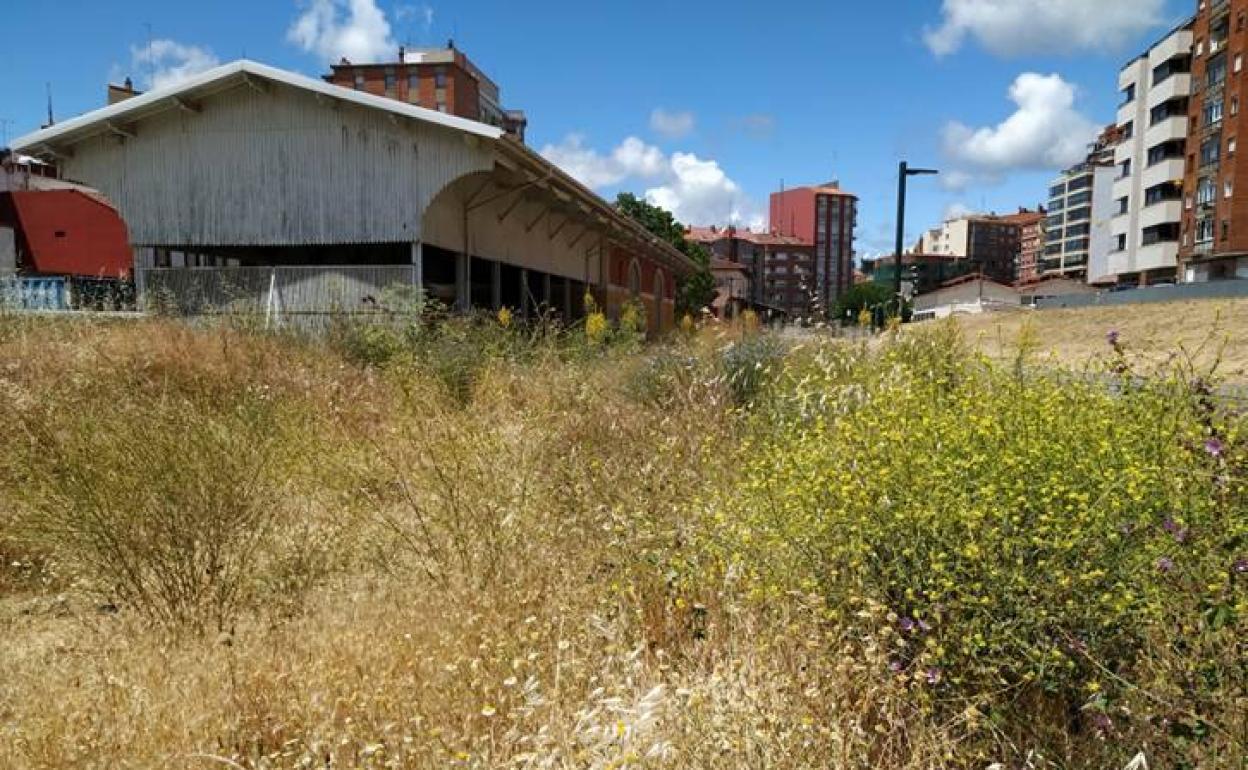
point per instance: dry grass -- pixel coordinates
(533, 578)
(1156, 331)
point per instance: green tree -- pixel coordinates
(862, 296)
(695, 291)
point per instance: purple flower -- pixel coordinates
(1102, 722)
(1165, 564)
(908, 625)
(1240, 567)
(1112, 337)
(923, 626)
(1215, 447)
(896, 667)
(1177, 532)
(932, 675)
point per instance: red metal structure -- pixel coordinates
(67, 233)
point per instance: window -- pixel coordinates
(359, 80)
(1204, 230)
(1210, 151)
(392, 81)
(1165, 151)
(439, 77)
(1226, 229)
(1239, 62)
(1162, 192)
(413, 82)
(1078, 215)
(1125, 168)
(1128, 94)
(1078, 199)
(1128, 130)
(1075, 230)
(1057, 191)
(1234, 105)
(1213, 112)
(1206, 191)
(1230, 146)
(1228, 188)
(634, 279)
(1123, 205)
(1216, 72)
(1121, 244)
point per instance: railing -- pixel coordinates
(24, 293)
(279, 294)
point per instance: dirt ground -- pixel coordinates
(1202, 330)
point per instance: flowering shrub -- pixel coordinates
(1016, 544)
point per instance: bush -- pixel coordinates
(749, 364)
(162, 508)
(1017, 546)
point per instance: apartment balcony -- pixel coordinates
(1160, 255)
(1163, 212)
(1126, 150)
(1178, 44)
(1168, 170)
(1176, 86)
(1169, 130)
(1129, 112)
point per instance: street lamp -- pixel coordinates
(904, 172)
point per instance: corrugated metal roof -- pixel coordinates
(95, 121)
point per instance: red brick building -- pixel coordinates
(1214, 231)
(824, 216)
(781, 268)
(442, 79)
(1030, 242)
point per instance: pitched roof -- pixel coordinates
(160, 99)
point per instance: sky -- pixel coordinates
(703, 106)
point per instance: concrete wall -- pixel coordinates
(275, 168)
(1185, 291)
(8, 250)
(1101, 241)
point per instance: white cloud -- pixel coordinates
(354, 29)
(1045, 132)
(1017, 27)
(166, 62)
(633, 159)
(671, 125)
(957, 211)
(421, 13)
(695, 190)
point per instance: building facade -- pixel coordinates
(1148, 187)
(402, 195)
(989, 243)
(781, 268)
(1214, 243)
(1078, 231)
(825, 216)
(442, 79)
(1030, 242)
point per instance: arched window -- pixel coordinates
(634, 279)
(658, 286)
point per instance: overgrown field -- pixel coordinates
(1207, 330)
(457, 544)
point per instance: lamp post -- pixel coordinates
(904, 172)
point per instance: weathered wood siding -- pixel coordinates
(278, 168)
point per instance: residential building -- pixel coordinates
(1214, 241)
(988, 242)
(442, 79)
(453, 208)
(1030, 241)
(927, 272)
(1148, 189)
(733, 288)
(781, 268)
(825, 216)
(1078, 233)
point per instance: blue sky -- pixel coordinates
(704, 106)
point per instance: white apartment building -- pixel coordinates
(1078, 238)
(1148, 190)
